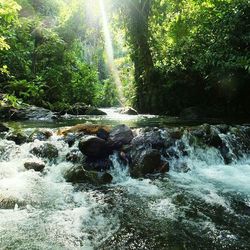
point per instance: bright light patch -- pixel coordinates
(110, 53)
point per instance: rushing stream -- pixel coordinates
(206, 207)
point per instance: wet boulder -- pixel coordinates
(36, 166)
(89, 129)
(19, 138)
(76, 109)
(75, 156)
(3, 128)
(83, 109)
(128, 111)
(46, 150)
(150, 139)
(103, 134)
(94, 111)
(147, 163)
(80, 175)
(71, 138)
(120, 135)
(94, 147)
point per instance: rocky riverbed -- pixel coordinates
(93, 186)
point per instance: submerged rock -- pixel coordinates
(120, 135)
(102, 164)
(46, 150)
(94, 147)
(80, 175)
(36, 166)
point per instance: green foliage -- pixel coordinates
(106, 95)
(11, 101)
(8, 19)
(46, 58)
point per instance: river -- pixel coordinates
(207, 207)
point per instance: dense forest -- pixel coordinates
(165, 55)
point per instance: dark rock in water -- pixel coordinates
(129, 111)
(95, 147)
(94, 111)
(98, 164)
(152, 139)
(71, 139)
(37, 166)
(83, 109)
(103, 134)
(226, 154)
(148, 162)
(120, 135)
(165, 167)
(75, 156)
(80, 175)
(32, 113)
(18, 138)
(76, 109)
(176, 134)
(46, 150)
(26, 112)
(3, 128)
(223, 128)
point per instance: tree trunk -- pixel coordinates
(138, 16)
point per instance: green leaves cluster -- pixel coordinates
(201, 51)
(45, 54)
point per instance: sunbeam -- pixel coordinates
(110, 53)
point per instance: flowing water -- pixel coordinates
(207, 207)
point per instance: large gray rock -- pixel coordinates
(36, 166)
(26, 112)
(151, 138)
(93, 146)
(148, 162)
(46, 150)
(120, 135)
(80, 175)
